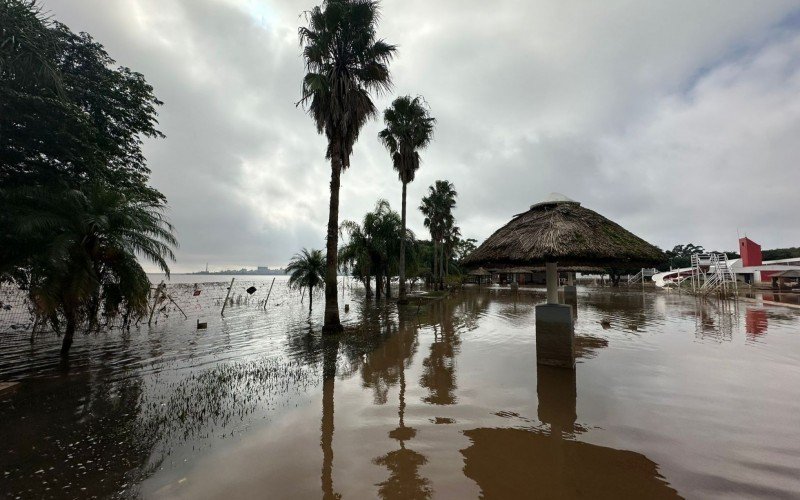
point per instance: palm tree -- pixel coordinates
(27, 46)
(345, 63)
(307, 270)
(437, 207)
(78, 252)
(374, 245)
(409, 128)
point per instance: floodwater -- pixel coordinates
(671, 397)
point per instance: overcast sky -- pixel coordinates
(680, 120)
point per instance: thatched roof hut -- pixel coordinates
(561, 230)
(479, 272)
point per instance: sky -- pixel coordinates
(679, 120)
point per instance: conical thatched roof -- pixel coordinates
(561, 230)
(480, 272)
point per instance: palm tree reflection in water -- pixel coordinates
(404, 480)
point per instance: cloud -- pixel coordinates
(675, 119)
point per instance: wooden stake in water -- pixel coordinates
(155, 300)
(222, 313)
(269, 292)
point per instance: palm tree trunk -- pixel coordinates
(434, 279)
(378, 285)
(442, 264)
(402, 273)
(68, 336)
(332, 323)
(388, 285)
(310, 299)
(368, 285)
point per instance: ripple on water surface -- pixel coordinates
(671, 396)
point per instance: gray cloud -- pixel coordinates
(676, 119)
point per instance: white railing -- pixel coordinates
(641, 275)
(711, 272)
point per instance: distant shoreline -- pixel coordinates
(276, 272)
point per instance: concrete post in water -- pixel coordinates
(222, 313)
(570, 291)
(555, 333)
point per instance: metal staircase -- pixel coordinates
(711, 273)
(641, 275)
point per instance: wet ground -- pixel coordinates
(671, 397)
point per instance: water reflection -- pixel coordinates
(439, 370)
(360, 415)
(403, 464)
(331, 351)
(530, 462)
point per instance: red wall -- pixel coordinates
(750, 252)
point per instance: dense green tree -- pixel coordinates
(345, 63)
(307, 270)
(75, 205)
(409, 128)
(781, 253)
(83, 257)
(68, 118)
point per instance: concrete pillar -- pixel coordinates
(514, 282)
(551, 269)
(555, 335)
(570, 291)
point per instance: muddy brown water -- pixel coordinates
(671, 397)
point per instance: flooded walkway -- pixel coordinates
(671, 397)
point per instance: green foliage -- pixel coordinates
(75, 205)
(307, 269)
(373, 247)
(409, 128)
(80, 248)
(437, 207)
(345, 62)
(781, 253)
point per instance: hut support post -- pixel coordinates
(552, 282)
(555, 331)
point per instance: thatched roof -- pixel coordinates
(561, 230)
(791, 273)
(480, 272)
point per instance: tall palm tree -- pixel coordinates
(409, 128)
(307, 270)
(79, 250)
(437, 207)
(345, 63)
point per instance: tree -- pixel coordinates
(345, 63)
(465, 247)
(437, 207)
(409, 128)
(68, 118)
(373, 246)
(76, 209)
(307, 270)
(82, 261)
